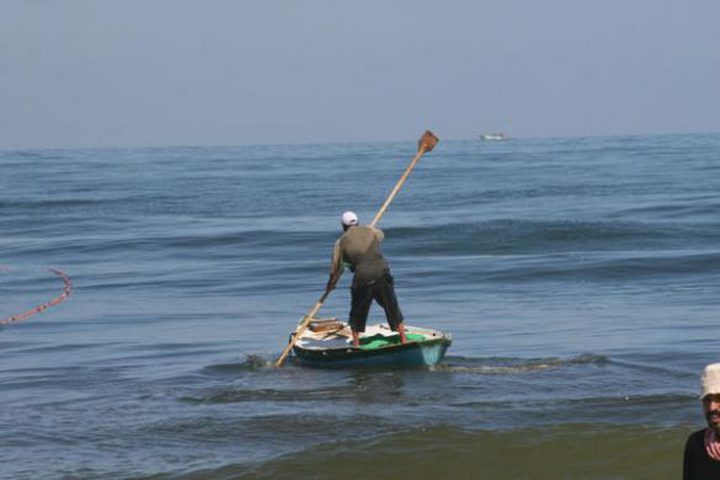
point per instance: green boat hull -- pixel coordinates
(412, 354)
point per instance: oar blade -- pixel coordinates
(428, 141)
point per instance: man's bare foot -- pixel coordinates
(401, 332)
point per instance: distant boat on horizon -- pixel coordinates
(493, 136)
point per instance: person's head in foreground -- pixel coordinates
(710, 396)
(701, 460)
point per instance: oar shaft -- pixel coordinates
(300, 329)
(398, 185)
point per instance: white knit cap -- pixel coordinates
(349, 218)
(710, 381)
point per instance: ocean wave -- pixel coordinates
(507, 237)
(699, 207)
(50, 203)
(675, 267)
(621, 267)
(225, 395)
(569, 451)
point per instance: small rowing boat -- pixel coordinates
(328, 343)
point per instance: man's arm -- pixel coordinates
(336, 268)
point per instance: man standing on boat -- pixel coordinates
(359, 247)
(702, 449)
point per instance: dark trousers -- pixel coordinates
(382, 291)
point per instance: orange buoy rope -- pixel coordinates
(60, 298)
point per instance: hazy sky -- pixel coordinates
(77, 73)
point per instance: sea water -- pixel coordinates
(579, 277)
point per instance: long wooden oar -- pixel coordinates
(426, 143)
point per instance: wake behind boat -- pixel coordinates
(328, 343)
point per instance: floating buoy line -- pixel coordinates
(59, 299)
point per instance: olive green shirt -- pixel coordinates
(359, 247)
